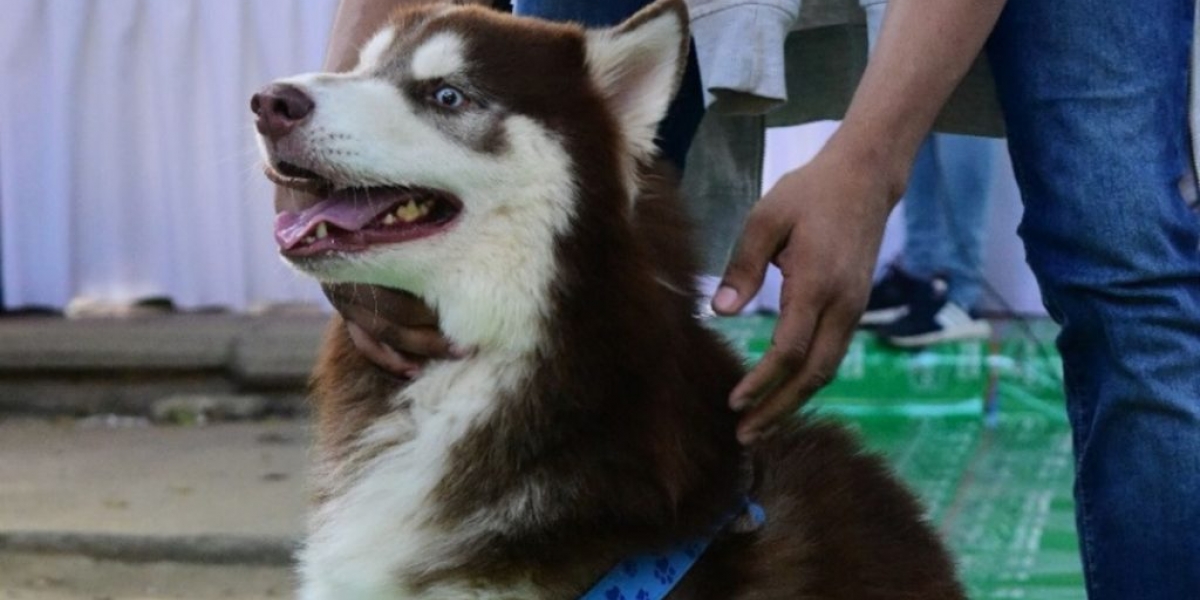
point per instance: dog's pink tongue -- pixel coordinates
(350, 214)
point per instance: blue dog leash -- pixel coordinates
(653, 576)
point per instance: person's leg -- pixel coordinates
(963, 167)
(909, 278)
(1094, 95)
(929, 267)
(676, 131)
(925, 250)
(926, 239)
(946, 201)
(939, 278)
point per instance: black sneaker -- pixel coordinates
(890, 297)
(933, 319)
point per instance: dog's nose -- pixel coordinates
(279, 108)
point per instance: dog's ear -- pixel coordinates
(638, 64)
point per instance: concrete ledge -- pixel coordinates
(277, 352)
(270, 346)
(87, 394)
(199, 549)
(187, 342)
(53, 365)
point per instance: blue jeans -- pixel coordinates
(676, 131)
(1095, 99)
(945, 208)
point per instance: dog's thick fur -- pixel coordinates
(591, 423)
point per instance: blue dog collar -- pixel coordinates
(653, 576)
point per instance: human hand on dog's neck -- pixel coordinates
(395, 330)
(823, 223)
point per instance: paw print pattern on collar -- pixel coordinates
(653, 576)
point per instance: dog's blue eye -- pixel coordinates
(449, 97)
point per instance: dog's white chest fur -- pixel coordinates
(375, 529)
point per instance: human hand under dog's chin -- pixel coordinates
(822, 225)
(393, 329)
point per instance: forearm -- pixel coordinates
(925, 48)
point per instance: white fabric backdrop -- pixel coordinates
(127, 164)
(127, 161)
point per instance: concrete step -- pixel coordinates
(230, 493)
(52, 365)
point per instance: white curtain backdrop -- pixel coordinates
(127, 160)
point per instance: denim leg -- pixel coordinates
(945, 207)
(963, 166)
(925, 249)
(677, 129)
(925, 246)
(585, 12)
(1094, 95)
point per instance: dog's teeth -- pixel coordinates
(409, 212)
(322, 231)
(423, 209)
(390, 219)
(310, 239)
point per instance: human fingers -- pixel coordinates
(394, 318)
(784, 357)
(381, 355)
(828, 344)
(759, 241)
(417, 342)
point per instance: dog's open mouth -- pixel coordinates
(354, 219)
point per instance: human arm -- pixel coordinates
(822, 223)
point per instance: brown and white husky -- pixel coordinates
(499, 168)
